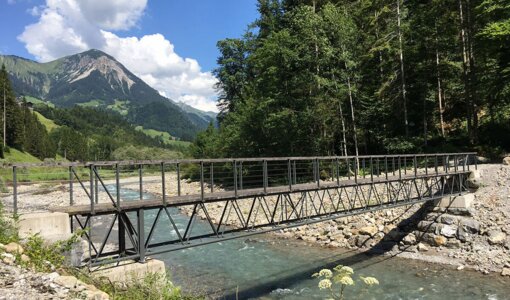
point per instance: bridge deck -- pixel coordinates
(108, 208)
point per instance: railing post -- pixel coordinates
(117, 184)
(386, 167)
(337, 172)
(399, 168)
(371, 169)
(436, 163)
(476, 162)
(241, 175)
(212, 177)
(426, 165)
(289, 174)
(264, 175)
(140, 176)
(71, 200)
(96, 185)
(318, 172)
(415, 165)
(348, 168)
(178, 166)
(14, 191)
(92, 209)
(295, 173)
(234, 163)
(202, 181)
(356, 162)
(141, 235)
(163, 184)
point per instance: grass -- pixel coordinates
(120, 107)
(15, 156)
(165, 136)
(49, 124)
(38, 101)
(92, 103)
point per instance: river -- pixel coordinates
(268, 267)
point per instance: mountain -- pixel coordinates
(94, 78)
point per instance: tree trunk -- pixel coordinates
(466, 72)
(439, 91)
(401, 56)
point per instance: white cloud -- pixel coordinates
(69, 26)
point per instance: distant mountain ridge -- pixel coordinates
(96, 78)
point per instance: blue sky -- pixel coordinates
(170, 44)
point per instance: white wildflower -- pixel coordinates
(325, 284)
(346, 280)
(326, 273)
(370, 280)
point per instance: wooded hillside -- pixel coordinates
(317, 77)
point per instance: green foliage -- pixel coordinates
(144, 153)
(8, 229)
(333, 77)
(46, 257)
(337, 280)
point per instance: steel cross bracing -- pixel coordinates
(242, 197)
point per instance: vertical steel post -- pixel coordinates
(337, 172)
(96, 186)
(264, 175)
(399, 168)
(120, 224)
(318, 172)
(241, 175)
(117, 184)
(212, 177)
(71, 200)
(363, 166)
(476, 163)
(92, 209)
(178, 179)
(289, 174)
(426, 165)
(348, 169)
(386, 167)
(141, 235)
(14, 191)
(140, 177)
(202, 181)
(295, 172)
(356, 162)
(436, 164)
(235, 177)
(163, 184)
(415, 165)
(371, 169)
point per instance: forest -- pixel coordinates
(326, 77)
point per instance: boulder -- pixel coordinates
(13, 247)
(368, 230)
(505, 272)
(482, 160)
(68, 282)
(422, 247)
(496, 237)
(448, 219)
(409, 239)
(8, 258)
(448, 230)
(362, 240)
(506, 160)
(388, 228)
(470, 225)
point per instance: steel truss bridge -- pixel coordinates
(238, 197)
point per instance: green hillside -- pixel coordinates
(49, 124)
(15, 156)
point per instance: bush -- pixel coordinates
(8, 230)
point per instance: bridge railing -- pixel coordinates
(37, 186)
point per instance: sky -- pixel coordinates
(170, 44)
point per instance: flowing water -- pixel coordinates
(265, 267)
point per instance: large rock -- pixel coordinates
(448, 219)
(453, 202)
(474, 180)
(449, 230)
(470, 225)
(439, 240)
(13, 247)
(368, 230)
(505, 272)
(68, 282)
(506, 160)
(496, 237)
(409, 239)
(422, 247)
